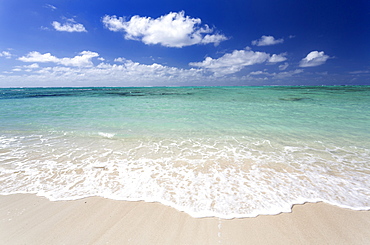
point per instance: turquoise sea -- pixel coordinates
(209, 151)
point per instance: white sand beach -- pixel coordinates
(29, 219)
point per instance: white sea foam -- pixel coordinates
(106, 135)
(225, 177)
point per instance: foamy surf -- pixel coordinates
(226, 178)
(106, 135)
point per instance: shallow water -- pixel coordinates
(208, 151)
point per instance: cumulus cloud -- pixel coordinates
(232, 62)
(128, 73)
(314, 58)
(120, 59)
(82, 60)
(5, 54)
(81, 71)
(27, 68)
(133, 70)
(70, 26)
(32, 66)
(266, 41)
(35, 56)
(171, 30)
(237, 60)
(80, 68)
(276, 58)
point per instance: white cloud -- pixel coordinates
(360, 72)
(314, 58)
(32, 66)
(82, 60)
(267, 40)
(232, 62)
(5, 54)
(120, 59)
(130, 70)
(35, 56)
(286, 74)
(215, 38)
(52, 7)
(276, 58)
(69, 26)
(283, 66)
(171, 30)
(129, 73)
(256, 73)
(280, 75)
(237, 60)
(274, 75)
(80, 70)
(28, 68)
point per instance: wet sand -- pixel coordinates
(29, 219)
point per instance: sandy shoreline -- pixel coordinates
(28, 219)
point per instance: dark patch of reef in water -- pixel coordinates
(93, 92)
(294, 99)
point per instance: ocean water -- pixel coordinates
(208, 151)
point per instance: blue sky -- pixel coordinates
(184, 43)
